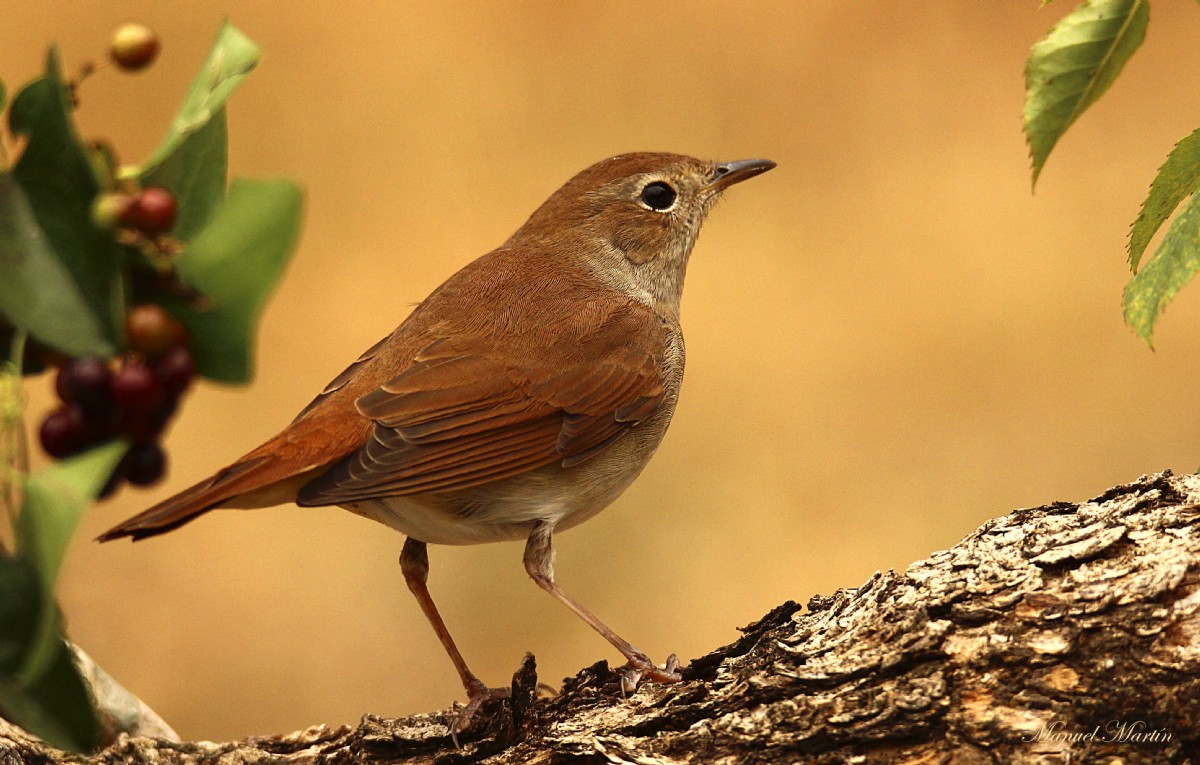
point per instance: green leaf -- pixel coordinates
(1072, 66)
(232, 57)
(54, 501)
(195, 172)
(192, 160)
(236, 261)
(3, 94)
(37, 291)
(40, 687)
(1173, 266)
(1178, 178)
(58, 184)
(58, 706)
(20, 603)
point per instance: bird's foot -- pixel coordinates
(639, 668)
(478, 696)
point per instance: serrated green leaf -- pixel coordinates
(232, 57)
(1173, 266)
(1072, 66)
(236, 261)
(37, 291)
(1177, 179)
(55, 499)
(56, 177)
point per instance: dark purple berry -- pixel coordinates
(176, 369)
(62, 432)
(88, 383)
(136, 389)
(144, 464)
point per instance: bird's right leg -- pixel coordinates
(414, 562)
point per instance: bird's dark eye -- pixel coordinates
(658, 196)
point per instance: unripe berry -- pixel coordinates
(111, 209)
(134, 47)
(152, 331)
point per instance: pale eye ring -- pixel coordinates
(658, 196)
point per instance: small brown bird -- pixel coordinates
(520, 398)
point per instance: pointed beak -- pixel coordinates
(729, 173)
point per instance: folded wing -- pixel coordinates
(478, 403)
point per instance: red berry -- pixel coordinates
(134, 47)
(152, 331)
(62, 432)
(136, 388)
(144, 464)
(153, 211)
(88, 381)
(176, 369)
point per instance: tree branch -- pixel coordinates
(1066, 633)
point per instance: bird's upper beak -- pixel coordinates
(729, 173)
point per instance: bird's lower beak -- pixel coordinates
(729, 173)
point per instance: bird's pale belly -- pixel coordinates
(508, 509)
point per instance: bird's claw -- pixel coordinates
(639, 668)
(478, 696)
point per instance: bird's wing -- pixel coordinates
(507, 389)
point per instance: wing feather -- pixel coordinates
(477, 401)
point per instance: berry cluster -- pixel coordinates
(150, 212)
(135, 398)
(134, 395)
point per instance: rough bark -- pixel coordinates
(1066, 633)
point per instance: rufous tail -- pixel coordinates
(260, 479)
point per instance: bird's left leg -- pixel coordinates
(539, 562)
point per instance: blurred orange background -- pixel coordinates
(890, 340)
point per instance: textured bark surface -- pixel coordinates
(1068, 633)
